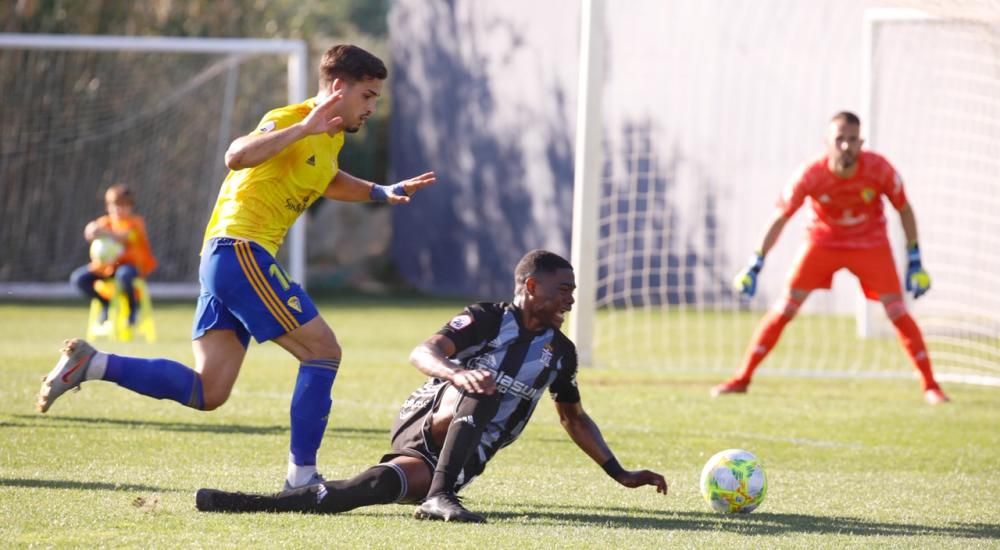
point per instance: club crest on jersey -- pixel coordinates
(267, 126)
(459, 322)
(867, 194)
(294, 303)
(546, 355)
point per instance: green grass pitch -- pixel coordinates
(857, 463)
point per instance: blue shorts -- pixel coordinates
(243, 289)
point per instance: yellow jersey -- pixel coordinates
(261, 203)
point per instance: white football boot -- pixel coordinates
(68, 373)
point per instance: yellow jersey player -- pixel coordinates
(277, 171)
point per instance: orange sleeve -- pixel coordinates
(138, 252)
(794, 193)
(892, 185)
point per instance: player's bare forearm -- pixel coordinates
(94, 231)
(909, 221)
(772, 234)
(583, 431)
(253, 150)
(347, 188)
(431, 358)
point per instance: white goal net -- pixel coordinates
(729, 106)
(80, 113)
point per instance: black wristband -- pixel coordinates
(613, 468)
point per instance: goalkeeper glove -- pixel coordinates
(917, 280)
(746, 280)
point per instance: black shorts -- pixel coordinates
(411, 432)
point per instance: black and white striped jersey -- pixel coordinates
(524, 363)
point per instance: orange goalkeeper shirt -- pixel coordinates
(846, 212)
(137, 250)
(261, 203)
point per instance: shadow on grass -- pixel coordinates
(757, 523)
(36, 421)
(86, 485)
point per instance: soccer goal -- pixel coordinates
(83, 112)
(687, 181)
(931, 82)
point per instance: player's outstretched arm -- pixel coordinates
(585, 433)
(348, 188)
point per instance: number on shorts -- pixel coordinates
(278, 274)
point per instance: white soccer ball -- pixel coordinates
(106, 250)
(733, 481)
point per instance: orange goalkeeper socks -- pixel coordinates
(913, 341)
(763, 342)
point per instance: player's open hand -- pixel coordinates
(475, 381)
(321, 119)
(640, 478)
(409, 187)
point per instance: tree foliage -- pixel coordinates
(321, 23)
(204, 18)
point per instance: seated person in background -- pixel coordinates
(488, 368)
(136, 260)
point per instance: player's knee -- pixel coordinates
(214, 394)
(895, 309)
(323, 348)
(80, 278)
(214, 400)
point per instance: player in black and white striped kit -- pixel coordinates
(488, 367)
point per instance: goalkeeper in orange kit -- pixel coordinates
(845, 187)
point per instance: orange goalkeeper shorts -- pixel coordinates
(874, 268)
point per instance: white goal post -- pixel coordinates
(587, 173)
(227, 54)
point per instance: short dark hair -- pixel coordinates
(535, 262)
(349, 62)
(847, 117)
